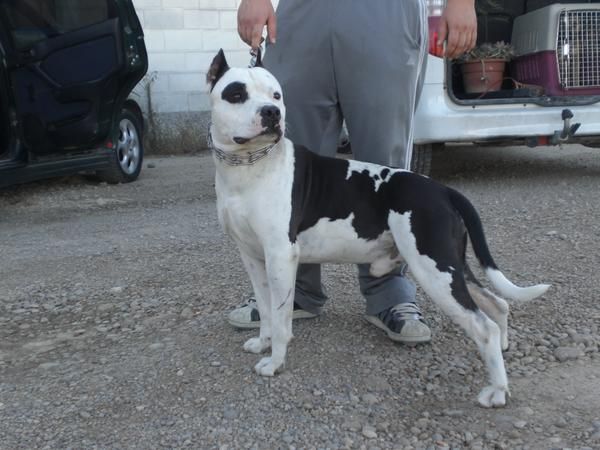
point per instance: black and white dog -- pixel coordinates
(284, 205)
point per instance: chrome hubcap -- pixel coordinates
(128, 147)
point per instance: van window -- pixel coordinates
(31, 21)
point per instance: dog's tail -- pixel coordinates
(475, 229)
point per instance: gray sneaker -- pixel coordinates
(402, 323)
(247, 316)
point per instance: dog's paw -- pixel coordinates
(266, 367)
(505, 344)
(493, 396)
(257, 345)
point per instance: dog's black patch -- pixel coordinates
(461, 293)
(217, 69)
(235, 92)
(321, 190)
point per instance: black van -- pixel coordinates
(67, 68)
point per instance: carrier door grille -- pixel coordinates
(578, 48)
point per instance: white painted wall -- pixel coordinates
(182, 37)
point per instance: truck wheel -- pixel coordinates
(421, 159)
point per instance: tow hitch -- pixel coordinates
(562, 136)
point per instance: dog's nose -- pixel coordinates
(271, 115)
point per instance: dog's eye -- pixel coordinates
(237, 97)
(235, 93)
(276, 95)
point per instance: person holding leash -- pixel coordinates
(362, 62)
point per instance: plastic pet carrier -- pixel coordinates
(558, 48)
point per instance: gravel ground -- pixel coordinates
(112, 330)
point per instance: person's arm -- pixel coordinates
(458, 26)
(252, 16)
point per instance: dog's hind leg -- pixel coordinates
(450, 293)
(494, 307)
(281, 265)
(436, 264)
(258, 278)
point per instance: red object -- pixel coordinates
(435, 49)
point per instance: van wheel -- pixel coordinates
(128, 155)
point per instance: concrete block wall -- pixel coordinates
(182, 37)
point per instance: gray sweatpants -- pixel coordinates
(362, 61)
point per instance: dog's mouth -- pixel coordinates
(270, 131)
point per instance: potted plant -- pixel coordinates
(483, 67)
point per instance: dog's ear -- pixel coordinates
(217, 69)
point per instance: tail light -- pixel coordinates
(435, 8)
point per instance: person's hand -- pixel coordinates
(458, 26)
(252, 16)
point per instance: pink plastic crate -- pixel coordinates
(541, 69)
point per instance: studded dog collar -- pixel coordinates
(247, 158)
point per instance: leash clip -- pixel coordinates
(255, 55)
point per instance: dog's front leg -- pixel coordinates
(258, 278)
(281, 267)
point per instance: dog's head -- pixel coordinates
(247, 106)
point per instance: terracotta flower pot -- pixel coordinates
(483, 76)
